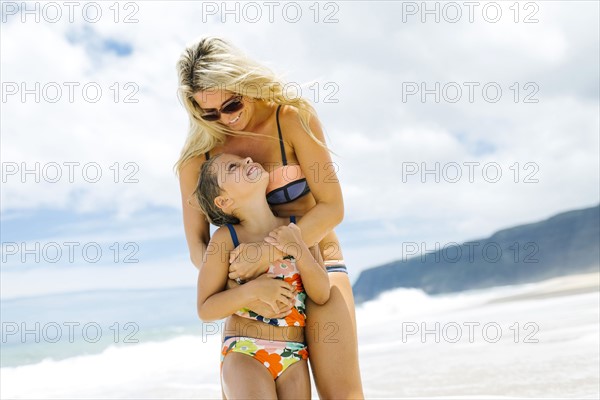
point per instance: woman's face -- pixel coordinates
(239, 176)
(214, 99)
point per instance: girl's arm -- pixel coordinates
(214, 302)
(315, 279)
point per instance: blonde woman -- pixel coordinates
(237, 106)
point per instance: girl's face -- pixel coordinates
(218, 100)
(239, 176)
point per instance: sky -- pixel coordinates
(448, 124)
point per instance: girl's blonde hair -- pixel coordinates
(214, 64)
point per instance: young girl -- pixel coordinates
(232, 195)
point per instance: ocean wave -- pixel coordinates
(546, 347)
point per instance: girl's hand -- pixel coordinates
(262, 308)
(287, 239)
(272, 291)
(249, 260)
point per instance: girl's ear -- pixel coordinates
(223, 202)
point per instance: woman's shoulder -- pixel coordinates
(192, 165)
(291, 114)
(292, 124)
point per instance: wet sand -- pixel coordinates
(561, 286)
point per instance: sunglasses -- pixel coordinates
(229, 107)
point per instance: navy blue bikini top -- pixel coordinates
(287, 182)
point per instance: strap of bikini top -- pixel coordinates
(283, 158)
(234, 237)
(207, 155)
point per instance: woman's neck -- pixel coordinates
(262, 112)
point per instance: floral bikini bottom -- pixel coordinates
(276, 356)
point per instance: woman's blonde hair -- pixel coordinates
(214, 64)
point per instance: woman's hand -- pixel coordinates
(287, 239)
(272, 291)
(249, 260)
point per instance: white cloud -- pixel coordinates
(367, 54)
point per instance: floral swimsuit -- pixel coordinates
(276, 356)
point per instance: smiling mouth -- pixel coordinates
(251, 170)
(236, 119)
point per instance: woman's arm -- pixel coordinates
(197, 233)
(317, 258)
(214, 302)
(321, 176)
(309, 261)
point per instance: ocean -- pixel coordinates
(534, 340)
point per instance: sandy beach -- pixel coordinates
(562, 286)
(537, 340)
